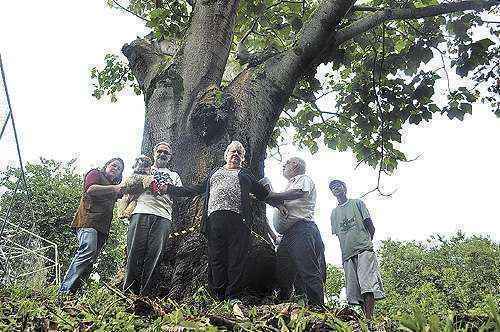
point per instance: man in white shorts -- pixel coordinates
(352, 224)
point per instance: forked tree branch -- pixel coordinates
(117, 4)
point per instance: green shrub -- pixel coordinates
(441, 276)
(55, 189)
(334, 284)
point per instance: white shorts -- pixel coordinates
(362, 276)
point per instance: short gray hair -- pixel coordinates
(238, 147)
(300, 163)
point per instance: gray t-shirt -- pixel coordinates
(347, 223)
(158, 205)
(298, 209)
(225, 191)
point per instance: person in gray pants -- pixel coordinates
(353, 225)
(150, 225)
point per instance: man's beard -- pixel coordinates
(161, 163)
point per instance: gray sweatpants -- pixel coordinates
(146, 238)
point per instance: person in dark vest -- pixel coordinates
(226, 214)
(93, 220)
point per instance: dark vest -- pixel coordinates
(96, 211)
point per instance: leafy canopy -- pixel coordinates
(400, 73)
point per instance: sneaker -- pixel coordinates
(238, 308)
(235, 301)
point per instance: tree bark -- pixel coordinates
(187, 107)
(213, 125)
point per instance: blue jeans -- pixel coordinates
(90, 244)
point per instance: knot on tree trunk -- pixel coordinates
(211, 113)
(144, 61)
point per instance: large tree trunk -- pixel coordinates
(186, 107)
(199, 148)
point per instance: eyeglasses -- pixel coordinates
(163, 151)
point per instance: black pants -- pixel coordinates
(301, 261)
(228, 244)
(146, 238)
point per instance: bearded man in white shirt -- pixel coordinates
(150, 225)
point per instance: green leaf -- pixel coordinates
(433, 108)
(400, 45)
(485, 43)
(415, 118)
(466, 107)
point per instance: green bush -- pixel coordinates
(55, 189)
(55, 194)
(442, 276)
(334, 284)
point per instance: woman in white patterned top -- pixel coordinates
(226, 209)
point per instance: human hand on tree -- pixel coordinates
(119, 188)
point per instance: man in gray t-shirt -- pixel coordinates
(347, 221)
(352, 223)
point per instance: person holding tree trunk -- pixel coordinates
(93, 220)
(301, 252)
(225, 219)
(352, 223)
(150, 225)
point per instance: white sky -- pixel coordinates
(48, 48)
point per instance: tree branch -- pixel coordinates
(369, 22)
(285, 69)
(207, 46)
(366, 9)
(253, 59)
(129, 11)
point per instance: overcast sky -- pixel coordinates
(48, 48)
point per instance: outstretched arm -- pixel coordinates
(276, 199)
(184, 191)
(98, 190)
